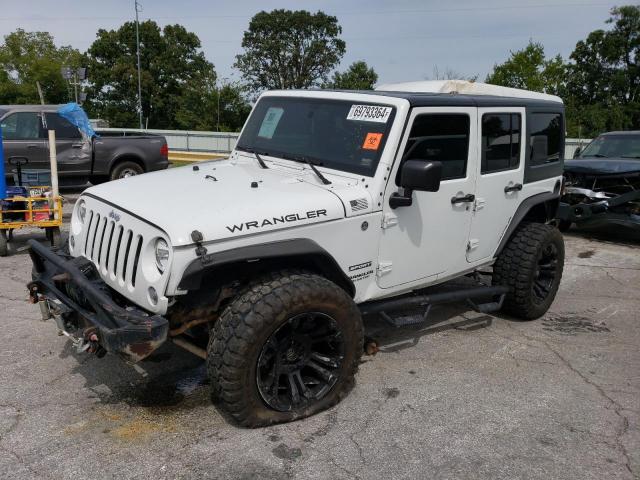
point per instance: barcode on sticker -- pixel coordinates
(369, 113)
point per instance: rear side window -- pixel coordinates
(63, 128)
(500, 142)
(21, 126)
(546, 137)
(443, 138)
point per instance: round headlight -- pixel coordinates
(162, 254)
(82, 210)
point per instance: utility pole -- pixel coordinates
(75, 83)
(138, 9)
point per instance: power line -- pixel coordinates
(45, 18)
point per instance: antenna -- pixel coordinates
(138, 9)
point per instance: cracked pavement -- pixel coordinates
(464, 396)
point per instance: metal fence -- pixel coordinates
(571, 144)
(188, 140)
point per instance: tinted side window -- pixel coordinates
(63, 128)
(21, 126)
(441, 137)
(500, 142)
(546, 133)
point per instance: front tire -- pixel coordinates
(285, 349)
(531, 265)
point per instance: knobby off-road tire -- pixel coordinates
(531, 266)
(279, 322)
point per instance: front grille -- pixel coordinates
(113, 248)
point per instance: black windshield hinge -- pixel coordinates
(197, 237)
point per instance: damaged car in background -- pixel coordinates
(602, 184)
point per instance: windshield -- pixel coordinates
(613, 146)
(344, 135)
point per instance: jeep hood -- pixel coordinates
(602, 166)
(228, 199)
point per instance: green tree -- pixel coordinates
(357, 77)
(30, 57)
(289, 49)
(229, 100)
(603, 84)
(175, 76)
(530, 70)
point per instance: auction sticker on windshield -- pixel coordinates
(270, 122)
(369, 113)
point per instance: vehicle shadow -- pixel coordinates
(172, 379)
(169, 379)
(615, 237)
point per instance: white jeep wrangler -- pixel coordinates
(333, 205)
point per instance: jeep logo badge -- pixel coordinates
(114, 215)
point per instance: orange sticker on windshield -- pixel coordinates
(372, 141)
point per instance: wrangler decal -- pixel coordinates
(265, 222)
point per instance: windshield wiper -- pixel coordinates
(257, 155)
(629, 156)
(307, 160)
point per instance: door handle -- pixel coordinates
(513, 188)
(464, 199)
(33, 146)
(76, 145)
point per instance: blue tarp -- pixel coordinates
(76, 115)
(3, 182)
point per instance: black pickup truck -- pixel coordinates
(98, 159)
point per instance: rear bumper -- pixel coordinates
(75, 292)
(159, 165)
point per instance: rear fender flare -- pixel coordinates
(541, 207)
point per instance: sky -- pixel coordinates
(403, 40)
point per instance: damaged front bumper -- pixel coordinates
(597, 209)
(71, 290)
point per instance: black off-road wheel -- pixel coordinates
(285, 349)
(126, 170)
(531, 266)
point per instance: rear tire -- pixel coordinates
(125, 170)
(4, 244)
(285, 349)
(531, 266)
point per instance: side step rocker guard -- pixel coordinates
(381, 307)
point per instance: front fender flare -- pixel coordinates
(297, 251)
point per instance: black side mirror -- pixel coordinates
(418, 175)
(577, 152)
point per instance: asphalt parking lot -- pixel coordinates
(466, 396)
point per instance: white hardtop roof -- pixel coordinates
(464, 87)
